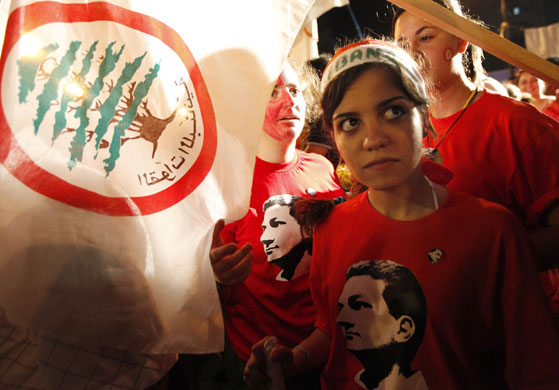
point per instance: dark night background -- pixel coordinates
(374, 18)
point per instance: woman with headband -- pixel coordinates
(498, 149)
(416, 286)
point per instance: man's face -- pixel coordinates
(281, 232)
(363, 314)
(285, 113)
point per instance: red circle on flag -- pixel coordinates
(23, 20)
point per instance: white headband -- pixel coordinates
(370, 51)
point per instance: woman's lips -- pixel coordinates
(380, 164)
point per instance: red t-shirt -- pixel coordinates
(504, 151)
(552, 110)
(263, 305)
(507, 152)
(487, 321)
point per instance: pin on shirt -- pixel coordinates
(436, 256)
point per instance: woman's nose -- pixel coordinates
(374, 138)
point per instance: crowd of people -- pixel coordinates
(441, 267)
(435, 265)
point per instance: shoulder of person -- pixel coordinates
(344, 213)
(314, 158)
(510, 108)
(486, 212)
(522, 120)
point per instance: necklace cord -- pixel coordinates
(472, 96)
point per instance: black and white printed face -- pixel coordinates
(364, 315)
(281, 232)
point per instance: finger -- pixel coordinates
(216, 238)
(234, 268)
(241, 271)
(256, 371)
(280, 353)
(257, 379)
(228, 256)
(259, 353)
(218, 254)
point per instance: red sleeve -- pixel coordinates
(536, 188)
(235, 231)
(530, 334)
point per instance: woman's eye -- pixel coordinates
(275, 93)
(394, 112)
(348, 124)
(294, 92)
(425, 38)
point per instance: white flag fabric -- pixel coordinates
(543, 41)
(127, 129)
(305, 46)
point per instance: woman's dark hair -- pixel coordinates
(312, 212)
(472, 59)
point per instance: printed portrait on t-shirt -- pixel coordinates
(436, 255)
(283, 240)
(382, 312)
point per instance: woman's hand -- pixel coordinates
(256, 370)
(231, 265)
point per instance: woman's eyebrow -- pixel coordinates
(390, 100)
(381, 104)
(344, 115)
(417, 32)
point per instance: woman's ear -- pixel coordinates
(462, 45)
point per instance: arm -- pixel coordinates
(310, 353)
(530, 335)
(231, 265)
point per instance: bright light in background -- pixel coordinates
(29, 46)
(182, 111)
(74, 89)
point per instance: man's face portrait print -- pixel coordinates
(363, 314)
(281, 232)
(282, 239)
(382, 313)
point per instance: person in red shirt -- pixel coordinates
(416, 285)
(264, 281)
(529, 83)
(497, 148)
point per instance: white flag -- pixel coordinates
(127, 128)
